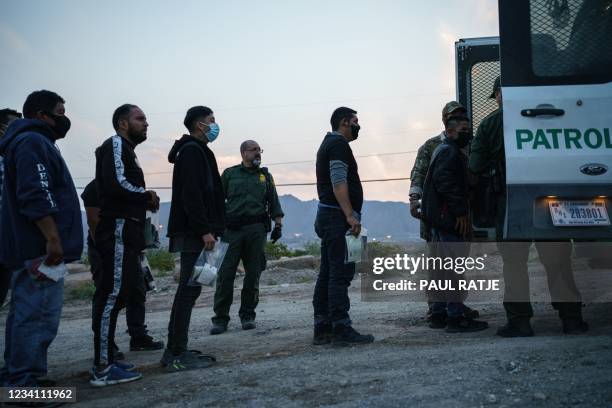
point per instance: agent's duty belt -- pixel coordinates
(235, 223)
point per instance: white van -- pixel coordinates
(556, 76)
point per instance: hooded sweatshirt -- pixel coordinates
(37, 183)
(198, 203)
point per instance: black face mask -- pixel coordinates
(62, 125)
(355, 131)
(463, 139)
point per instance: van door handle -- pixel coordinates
(532, 113)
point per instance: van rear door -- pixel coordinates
(477, 65)
(556, 75)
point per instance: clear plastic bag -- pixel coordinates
(207, 266)
(147, 274)
(151, 232)
(356, 247)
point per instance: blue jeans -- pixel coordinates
(31, 326)
(331, 301)
(454, 250)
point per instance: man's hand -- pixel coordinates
(55, 252)
(153, 203)
(415, 205)
(354, 224)
(463, 226)
(276, 233)
(209, 241)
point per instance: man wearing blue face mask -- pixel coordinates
(196, 221)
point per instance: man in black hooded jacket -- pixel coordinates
(446, 209)
(196, 221)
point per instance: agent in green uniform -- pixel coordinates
(251, 203)
(487, 158)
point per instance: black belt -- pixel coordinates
(235, 223)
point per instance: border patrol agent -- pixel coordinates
(251, 204)
(487, 157)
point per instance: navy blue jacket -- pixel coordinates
(37, 183)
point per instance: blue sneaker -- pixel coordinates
(125, 366)
(113, 375)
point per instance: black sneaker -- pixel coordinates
(218, 328)
(514, 330)
(437, 320)
(189, 360)
(145, 343)
(347, 336)
(322, 334)
(575, 326)
(463, 324)
(470, 313)
(248, 324)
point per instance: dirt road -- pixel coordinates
(408, 365)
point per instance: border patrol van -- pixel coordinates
(555, 59)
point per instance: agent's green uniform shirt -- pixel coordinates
(245, 192)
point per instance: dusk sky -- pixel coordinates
(272, 71)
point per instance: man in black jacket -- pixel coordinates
(119, 237)
(446, 209)
(196, 221)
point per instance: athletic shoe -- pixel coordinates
(113, 375)
(145, 343)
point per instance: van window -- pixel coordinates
(572, 39)
(482, 78)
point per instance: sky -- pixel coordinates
(271, 70)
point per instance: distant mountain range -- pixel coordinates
(384, 220)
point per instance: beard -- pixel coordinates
(136, 136)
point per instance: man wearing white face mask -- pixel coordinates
(196, 221)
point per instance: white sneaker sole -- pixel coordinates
(103, 382)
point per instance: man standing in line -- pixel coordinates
(135, 304)
(340, 201)
(119, 237)
(196, 221)
(417, 178)
(42, 217)
(446, 209)
(251, 203)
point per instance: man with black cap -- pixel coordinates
(487, 157)
(417, 179)
(196, 221)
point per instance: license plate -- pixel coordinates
(578, 213)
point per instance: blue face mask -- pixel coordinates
(213, 132)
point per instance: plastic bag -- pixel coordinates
(147, 274)
(151, 234)
(207, 266)
(356, 247)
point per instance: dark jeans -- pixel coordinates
(331, 300)
(247, 243)
(448, 245)
(134, 306)
(31, 326)
(556, 258)
(184, 300)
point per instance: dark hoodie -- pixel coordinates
(37, 183)
(198, 203)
